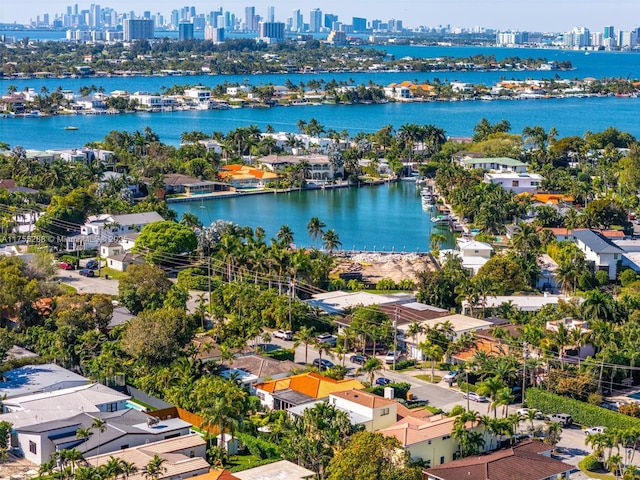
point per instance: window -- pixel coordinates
(112, 407)
(384, 411)
(33, 448)
(441, 460)
(446, 437)
(515, 183)
(615, 256)
(122, 447)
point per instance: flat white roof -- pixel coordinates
(335, 302)
(527, 303)
(38, 378)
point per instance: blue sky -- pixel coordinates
(538, 15)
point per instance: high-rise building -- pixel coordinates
(315, 20)
(359, 24)
(271, 32)
(216, 35)
(138, 29)
(271, 14)
(609, 32)
(175, 18)
(329, 19)
(297, 22)
(185, 31)
(249, 16)
(577, 38)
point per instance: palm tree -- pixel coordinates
(155, 468)
(315, 229)
(306, 336)
(285, 235)
(371, 367)
(433, 352)
(331, 241)
(490, 387)
(101, 426)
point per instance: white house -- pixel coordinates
(516, 182)
(107, 227)
(38, 378)
(122, 261)
(600, 250)
(371, 411)
(198, 93)
(498, 164)
(147, 100)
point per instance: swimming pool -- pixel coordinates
(635, 396)
(134, 406)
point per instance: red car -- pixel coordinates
(67, 266)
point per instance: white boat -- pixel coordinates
(441, 219)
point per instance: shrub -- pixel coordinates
(196, 279)
(464, 386)
(591, 464)
(399, 389)
(386, 284)
(406, 284)
(594, 399)
(602, 277)
(630, 409)
(404, 364)
(627, 277)
(281, 354)
(582, 413)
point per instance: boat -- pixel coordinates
(441, 219)
(70, 127)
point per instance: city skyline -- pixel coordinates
(545, 15)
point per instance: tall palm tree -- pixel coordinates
(331, 241)
(371, 367)
(306, 336)
(490, 387)
(101, 426)
(315, 229)
(433, 352)
(285, 235)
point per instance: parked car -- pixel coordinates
(85, 272)
(380, 349)
(594, 430)
(327, 338)
(475, 397)
(322, 364)
(67, 266)
(524, 412)
(563, 419)
(381, 381)
(283, 334)
(92, 265)
(358, 358)
(451, 376)
(391, 357)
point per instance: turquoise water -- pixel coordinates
(382, 217)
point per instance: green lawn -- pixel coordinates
(598, 476)
(427, 378)
(113, 274)
(237, 463)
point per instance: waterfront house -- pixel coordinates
(288, 392)
(90, 103)
(599, 250)
(319, 166)
(527, 461)
(515, 182)
(242, 176)
(498, 164)
(145, 99)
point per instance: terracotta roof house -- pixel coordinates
(252, 369)
(527, 461)
(298, 389)
(427, 438)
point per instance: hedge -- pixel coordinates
(581, 412)
(399, 389)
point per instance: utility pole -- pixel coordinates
(467, 382)
(209, 275)
(524, 369)
(600, 378)
(395, 337)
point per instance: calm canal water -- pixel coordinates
(381, 217)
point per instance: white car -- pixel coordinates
(451, 376)
(283, 334)
(391, 357)
(594, 430)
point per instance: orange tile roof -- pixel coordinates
(234, 167)
(554, 198)
(311, 384)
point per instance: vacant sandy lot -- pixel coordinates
(376, 266)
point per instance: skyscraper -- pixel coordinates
(359, 24)
(271, 14)
(297, 22)
(329, 19)
(271, 32)
(315, 20)
(185, 31)
(249, 15)
(135, 29)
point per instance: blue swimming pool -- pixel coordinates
(635, 396)
(135, 406)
